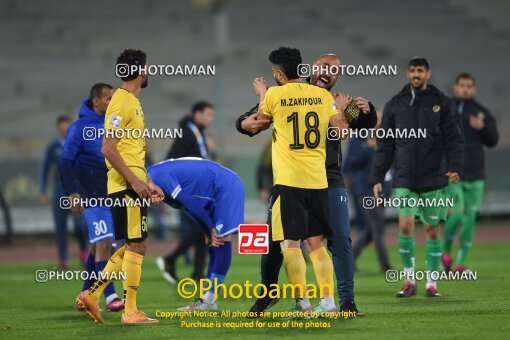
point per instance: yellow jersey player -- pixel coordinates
(301, 114)
(129, 187)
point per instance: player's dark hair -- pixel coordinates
(200, 106)
(62, 119)
(288, 60)
(97, 90)
(419, 61)
(131, 57)
(465, 76)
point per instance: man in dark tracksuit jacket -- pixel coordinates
(340, 242)
(192, 144)
(422, 166)
(480, 130)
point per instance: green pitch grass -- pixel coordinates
(467, 309)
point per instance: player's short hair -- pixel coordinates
(62, 119)
(131, 57)
(288, 60)
(97, 90)
(419, 61)
(465, 76)
(200, 106)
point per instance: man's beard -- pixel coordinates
(421, 84)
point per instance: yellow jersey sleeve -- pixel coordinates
(268, 103)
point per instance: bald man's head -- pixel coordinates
(323, 74)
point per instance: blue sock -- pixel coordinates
(89, 268)
(222, 259)
(110, 289)
(220, 262)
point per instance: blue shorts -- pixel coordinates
(229, 207)
(100, 224)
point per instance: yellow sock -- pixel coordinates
(114, 266)
(295, 268)
(132, 267)
(323, 269)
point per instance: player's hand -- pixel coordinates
(216, 240)
(453, 176)
(362, 104)
(143, 189)
(260, 87)
(255, 123)
(157, 194)
(476, 122)
(43, 199)
(76, 207)
(341, 101)
(377, 190)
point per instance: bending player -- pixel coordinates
(211, 195)
(301, 114)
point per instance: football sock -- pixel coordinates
(433, 256)
(295, 268)
(89, 268)
(222, 259)
(109, 291)
(406, 249)
(323, 269)
(450, 229)
(114, 266)
(218, 270)
(132, 267)
(466, 236)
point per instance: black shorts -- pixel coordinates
(297, 214)
(130, 219)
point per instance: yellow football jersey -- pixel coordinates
(301, 114)
(124, 119)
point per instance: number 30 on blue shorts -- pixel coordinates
(100, 223)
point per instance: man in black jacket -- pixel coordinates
(340, 242)
(480, 130)
(422, 166)
(192, 144)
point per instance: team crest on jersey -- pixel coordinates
(436, 108)
(115, 121)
